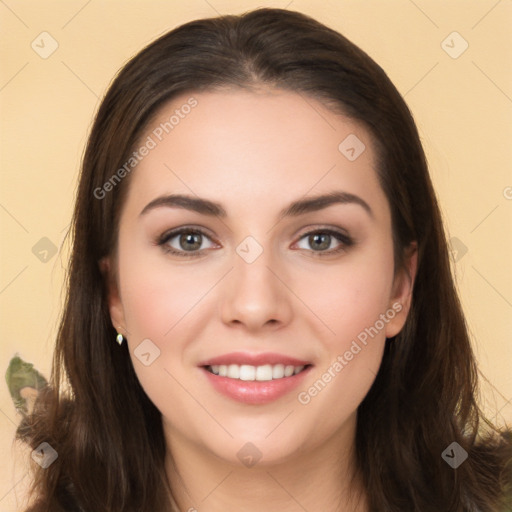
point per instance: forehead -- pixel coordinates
(249, 146)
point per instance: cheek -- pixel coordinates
(158, 294)
(348, 296)
(159, 300)
(352, 300)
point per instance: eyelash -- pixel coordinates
(345, 241)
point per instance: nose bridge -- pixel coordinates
(252, 266)
(254, 295)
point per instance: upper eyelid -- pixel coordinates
(171, 233)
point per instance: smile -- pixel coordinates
(248, 372)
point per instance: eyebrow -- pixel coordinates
(294, 209)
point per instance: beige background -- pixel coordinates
(463, 107)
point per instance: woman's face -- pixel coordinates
(263, 279)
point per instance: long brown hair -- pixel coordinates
(95, 414)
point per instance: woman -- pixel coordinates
(310, 351)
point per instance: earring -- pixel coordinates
(120, 338)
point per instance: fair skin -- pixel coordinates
(255, 153)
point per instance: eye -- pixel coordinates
(187, 244)
(321, 240)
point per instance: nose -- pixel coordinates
(254, 294)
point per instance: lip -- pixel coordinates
(254, 359)
(255, 392)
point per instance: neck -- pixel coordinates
(317, 480)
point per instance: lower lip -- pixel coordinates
(255, 392)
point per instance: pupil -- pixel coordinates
(189, 238)
(317, 238)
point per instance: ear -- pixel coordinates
(403, 285)
(115, 305)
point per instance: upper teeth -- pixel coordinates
(248, 372)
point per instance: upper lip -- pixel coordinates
(261, 359)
